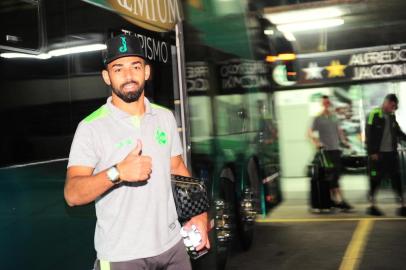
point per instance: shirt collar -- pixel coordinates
(117, 112)
(148, 108)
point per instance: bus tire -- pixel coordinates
(217, 257)
(246, 228)
(226, 193)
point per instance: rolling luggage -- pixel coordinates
(320, 173)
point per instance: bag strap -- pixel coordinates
(324, 160)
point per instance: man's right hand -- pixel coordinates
(374, 157)
(135, 167)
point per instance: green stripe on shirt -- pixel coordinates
(101, 112)
(104, 265)
(372, 115)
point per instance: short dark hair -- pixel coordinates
(392, 98)
(325, 97)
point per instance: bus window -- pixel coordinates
(23, 25)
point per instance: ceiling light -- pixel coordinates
(57, 52)
(304, 15)
(310, 25)
(289, 36)
(268, 32)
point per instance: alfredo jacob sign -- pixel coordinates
(366, 64)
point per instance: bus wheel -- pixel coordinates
(249, 206)
(224, 217)
(222, 212)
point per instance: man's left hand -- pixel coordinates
(200, 221)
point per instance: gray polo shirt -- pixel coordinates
(327, 126)
(133, 221)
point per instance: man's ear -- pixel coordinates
(106, 77)
(147, 71)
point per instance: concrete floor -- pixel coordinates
(288, 246)
(292, 237)
(322, 245)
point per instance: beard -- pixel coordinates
(131, 96)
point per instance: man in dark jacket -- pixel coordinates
(382, 135)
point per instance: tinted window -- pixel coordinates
(22, 24)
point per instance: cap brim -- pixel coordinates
(109, 60)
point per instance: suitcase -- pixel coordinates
(319, 172)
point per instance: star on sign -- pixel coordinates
(335, 69)
(313, 71)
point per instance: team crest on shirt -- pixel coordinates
(123, 143)
(161, 137)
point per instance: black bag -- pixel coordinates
(190, 196)
(319, 173)
(320, 198)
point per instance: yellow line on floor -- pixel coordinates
(355, 249)
(299, 220)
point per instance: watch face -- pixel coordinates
(113, 174)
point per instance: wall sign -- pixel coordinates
(370, 64)
(155, 15)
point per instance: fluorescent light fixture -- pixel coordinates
(57, 52)
(77, 49)
(310, 25)
(25, 55)
(304, 15)
(289, 36)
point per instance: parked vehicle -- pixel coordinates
(50, 63)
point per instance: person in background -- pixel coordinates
(382, 136)
(326, 133)
(121, 157)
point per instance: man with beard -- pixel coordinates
(121, 157)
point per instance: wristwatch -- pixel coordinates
(113, 174)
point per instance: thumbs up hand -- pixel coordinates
(135, 167)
